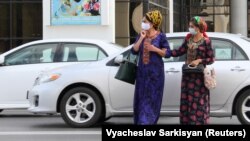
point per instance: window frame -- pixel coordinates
(38, 44)
(85, 43)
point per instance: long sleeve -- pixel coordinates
(164, 44)
(181, 50)
(132, 49)
(209, 59)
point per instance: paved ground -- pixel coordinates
(20, 125)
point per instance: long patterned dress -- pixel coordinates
(195, 97)
(149, 84)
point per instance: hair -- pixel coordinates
(201, 24)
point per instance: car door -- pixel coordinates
(20, 70)
(173, 74)
(231, 67)
(121, 93)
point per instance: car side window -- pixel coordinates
(82, 52)
(239, 55)
(34, 54)
(175, 44)
(132, 57)
(101, 55)
(225, 50)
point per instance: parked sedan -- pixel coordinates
(87, 94)
(20, 66)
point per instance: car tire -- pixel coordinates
(1, 110)
(83, 112)
(243, 107)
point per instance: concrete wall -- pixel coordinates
(105, 31)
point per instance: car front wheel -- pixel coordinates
(243, 107)
(81, 107)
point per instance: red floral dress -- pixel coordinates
(195, 97)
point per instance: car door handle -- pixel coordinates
(238, 69)
(172, 70)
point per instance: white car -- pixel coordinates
(85, 94)
(20, 66)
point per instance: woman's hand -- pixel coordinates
(195, 62)
(161, 52)
(143, 34)
(138, 43)
(151, 47)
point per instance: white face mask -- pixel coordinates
(192, 31)
(145, 26)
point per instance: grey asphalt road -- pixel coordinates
(20, 125)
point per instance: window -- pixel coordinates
(20, 22)
(128, 16)
(162, 6)
(101, 55)
(131, 57)
(225, 50)
(43, 53)
(82, 52)
(239, 55)
(215, 12)
(175, 44)
(47, 55)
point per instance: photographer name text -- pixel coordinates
(175, 133)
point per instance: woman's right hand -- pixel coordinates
(137, 44)
(143, 34)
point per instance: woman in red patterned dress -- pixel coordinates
(195, 97)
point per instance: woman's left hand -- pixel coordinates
(151, 48)
(161, 52)
(195, 62)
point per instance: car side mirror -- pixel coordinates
(1, 60)
(119, 59)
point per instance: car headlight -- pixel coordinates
(44, 78)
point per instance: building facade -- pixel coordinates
(20, 22)
(23, 21)
(129, 14)
(230, 16)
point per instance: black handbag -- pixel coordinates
(187, 68)
(127, 71)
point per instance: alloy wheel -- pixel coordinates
(80, 107)
(246, 109)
